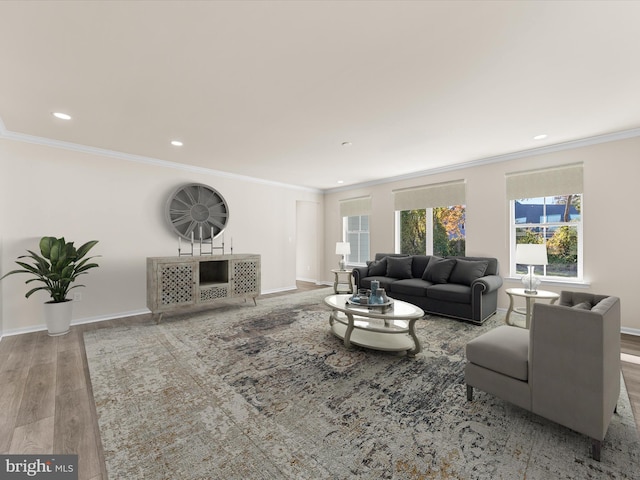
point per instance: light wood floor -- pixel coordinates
(46, 400)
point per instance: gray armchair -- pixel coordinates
(566, 368)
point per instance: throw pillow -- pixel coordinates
(377, 268)
(466, 271)
(438, 270)
(582, 306)
(399, 267)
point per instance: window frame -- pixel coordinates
(345, 238)
(543, 276)
(428, 225)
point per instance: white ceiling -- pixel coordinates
(271, 89)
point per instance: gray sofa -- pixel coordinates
(460, 287)
(566, 368)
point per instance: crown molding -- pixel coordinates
(49, 142)
(558, 147)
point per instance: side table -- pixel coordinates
(342, 285)
(530, 299)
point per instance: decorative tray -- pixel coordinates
(371, 306)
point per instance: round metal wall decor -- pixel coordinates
(197, 211)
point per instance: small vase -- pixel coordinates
(383, 295)
(376, 298)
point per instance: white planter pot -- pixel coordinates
(58, 317)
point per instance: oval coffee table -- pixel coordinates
(368, 327)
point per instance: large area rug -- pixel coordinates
(266, 392)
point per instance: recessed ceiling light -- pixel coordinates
(346, 144)
(340, 182)
(176, 143)
(61, 116)
(540, 137)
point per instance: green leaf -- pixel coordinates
(54, 254)
(67, 272)
(34, 290)
(83, 268)
(45, 246)
(70, 251)
(82, 250)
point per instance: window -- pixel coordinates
(546, 208)
(555, 221)
(355, 228)
(356, 232)
(430, 220)
(432, 231)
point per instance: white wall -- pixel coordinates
(52, 191)
(611, 172)
(84, 196)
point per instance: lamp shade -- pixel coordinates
(343, 248)
(531, 254)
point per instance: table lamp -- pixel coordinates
(343, 248)
(531, 254)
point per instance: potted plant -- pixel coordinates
(58, 266)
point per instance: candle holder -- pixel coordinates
(184, 254)
(211, 248)
(206, 247)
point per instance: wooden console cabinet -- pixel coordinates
(176, 282)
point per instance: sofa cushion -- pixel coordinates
(466, 271)
(492, 266)
(450, 292)
(410, 286)
(603, 304)
(582, 306)
(504, 350)
(399, 267)
(385, 282)
(569, 299)
(419, 265)
(438, 270)
(378, 267)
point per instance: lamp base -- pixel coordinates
(342, 264)
(530, 282)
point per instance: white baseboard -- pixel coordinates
(308, 280)
(79, 321)
(102, 318)
(278, 290)
(630, 331)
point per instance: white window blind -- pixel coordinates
(355, 206)
(429, 196)
(547, 182)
